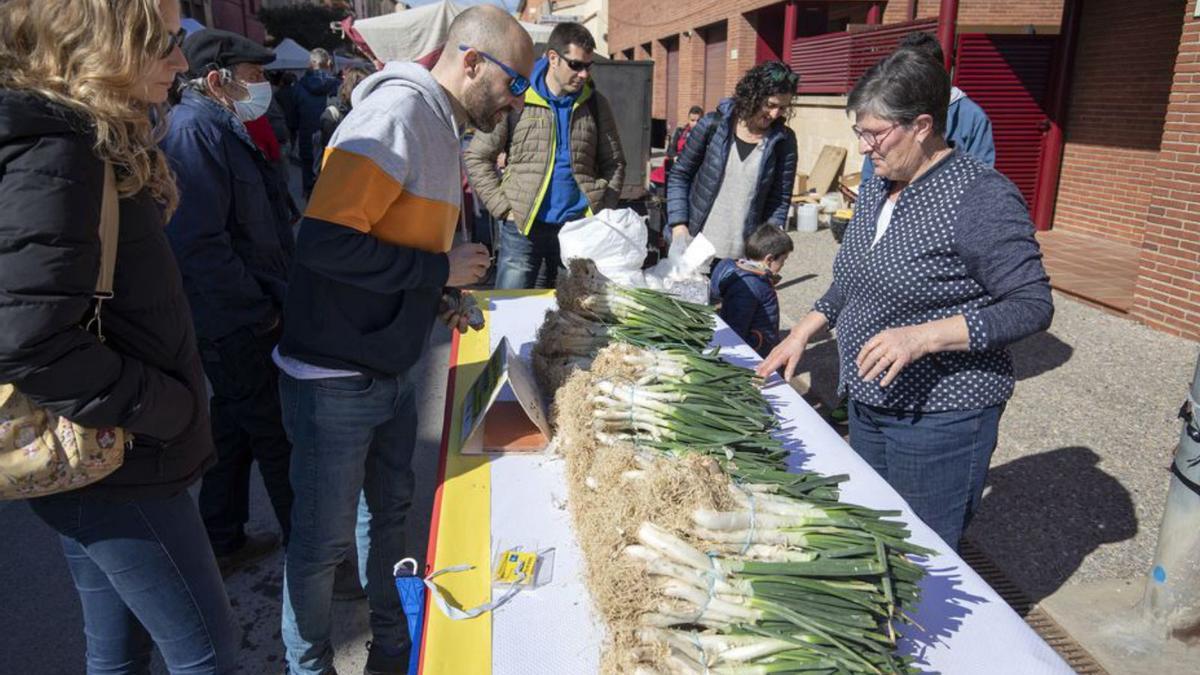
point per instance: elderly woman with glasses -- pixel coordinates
(938, 273)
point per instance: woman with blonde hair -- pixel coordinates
(82, 87)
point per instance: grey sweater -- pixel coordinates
(960, 242)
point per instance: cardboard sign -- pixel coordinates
(492, 425)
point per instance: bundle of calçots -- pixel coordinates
(704, 554)
(593, 312)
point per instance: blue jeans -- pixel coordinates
(938, 461)
(528, 262)
(146, 576)
(350, 436)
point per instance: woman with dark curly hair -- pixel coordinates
(736, 170)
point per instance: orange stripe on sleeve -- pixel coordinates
(352, 190)
(417, 222)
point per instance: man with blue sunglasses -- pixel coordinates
(563, 159)
(374, 257)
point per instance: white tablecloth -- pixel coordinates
(967, 627)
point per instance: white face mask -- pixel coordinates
(256, 105)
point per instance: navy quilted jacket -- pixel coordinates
(749, 304)
(696, 176)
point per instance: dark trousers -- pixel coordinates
(354, 439)
(528, 261)
(145, 576)
(937, 461)
(247, 426)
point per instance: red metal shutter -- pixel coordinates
(870, 46)
(833, 62)
(823, 63)
(715, 40)
(1009, 77)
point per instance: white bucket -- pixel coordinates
(806, 217)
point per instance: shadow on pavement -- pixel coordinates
(792, 282)
(1038, 354)
(1043, 514)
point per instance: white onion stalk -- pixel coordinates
(741, 520)
(759, 535)
(674, 548)
(716, 649)
(658, 565)
(628, 394)
(761, 552)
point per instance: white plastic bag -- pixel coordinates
(614, 239)
(681, 273)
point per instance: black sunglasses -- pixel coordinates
(174, 40)
(576, 65)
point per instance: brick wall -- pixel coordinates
(658, 52)
(632, 23)
(743, 37)
(986, 12)
(1121, 81)
(691, 75)
(533, 8)
(1168, 289)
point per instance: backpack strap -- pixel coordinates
(110, 226)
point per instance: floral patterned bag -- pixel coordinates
(42, 453)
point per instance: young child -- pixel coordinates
(747, 288)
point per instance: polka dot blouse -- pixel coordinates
(960, 242)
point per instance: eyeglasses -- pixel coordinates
(517, 86)
(873, 138)
(173, 40)
(574, 65)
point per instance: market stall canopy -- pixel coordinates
(410, 34)
(343, 62)
(289, 55)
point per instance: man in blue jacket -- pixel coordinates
(311, 97)
(736, 170)
(234, 245)
(564, 161)
(967, 126)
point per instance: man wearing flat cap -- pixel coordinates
(232, 237)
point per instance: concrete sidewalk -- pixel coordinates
(1077, 485)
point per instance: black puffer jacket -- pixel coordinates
(147, 376)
